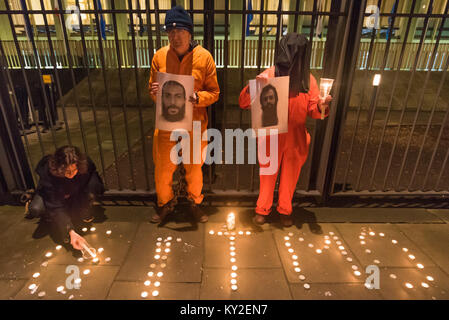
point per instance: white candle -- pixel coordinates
(144, 294)
(230, 221)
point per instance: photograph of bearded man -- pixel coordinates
(173, 101)
(268, 103)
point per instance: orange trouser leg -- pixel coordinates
(194, 175)
(266, 190)
(290, 170)
(163, 167)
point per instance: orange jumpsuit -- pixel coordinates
(293, 147)
(200, 64)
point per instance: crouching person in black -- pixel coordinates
(66, 190)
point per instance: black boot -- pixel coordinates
(162, 212)
(197, 212)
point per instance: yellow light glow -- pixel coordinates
(394, 241)
(108, 232)
(361, 237)
(341, 247)
(357, 273)
(232, 253)
(429, 278)
(157, 284)
(158, 250)
(382, 234)
(232, 248)
(411, 256)
(291, 250)
(234, 287)
(84, 229)
(344, 253)
(286, 238)
(167, 250)
(409, 285)
(58, 247)
(93, 229)
(419, 265)
(232, 260)
(100, 250)
(362, 242)
(233, 275)
(48, 254)
(147, 283)
(327, 242)
(87, 271)
(95, 260)
(376, 80)
(295, 263)
(155, 293)
(60, 289)
(232, 238)
(211, 232)
(240, 232)
(425, 285)
(160, 274)
(354, 267)
(248, 233)
(150, 274)
(36, 275)
(288, 244)
(77, 281)
(220, 233)
(144, 294)
(32, 286)
(310, 245)
(318, 251)
(294, 257)
(168, 244)
(297, 269)
(233, 281)
(404, 249)
(157, 257)
(234, 267)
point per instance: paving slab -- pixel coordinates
(182, 264)
(312, 259)
(253, 284)
(252, 249)
(93, 286)
(20, 253)
(9, 216)
(9, 288)
(132, 290)
(441, 213)
(115, 245)
(333, 291)
(125, 213)
(380, 250)
(374, 215)
(395, 289)
(433, 239)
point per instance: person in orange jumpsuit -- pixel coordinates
(292, 60)
(182, 56)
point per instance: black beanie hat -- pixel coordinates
(178, 18)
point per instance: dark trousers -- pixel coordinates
(62, 219)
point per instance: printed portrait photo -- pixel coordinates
(269, 105)
(173, 109)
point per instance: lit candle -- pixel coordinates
(48, 254)
(147, 283)
(349, 259)
(295, 263)
(150, 274)
(248, 233)
(344, 253)
(157, 257)
(301, 239)
(234, 267)
(107, 259)
(232, 238)
(95, 260)
(429, 278)
(411, 256)
(297, 269)
(144, 294)
(211, 232)
(307, 286)
(362, 242)
(338, 242)
(157, 284)
(232, 260)
(327, 242)
(32, 286)
(291, 250)
(230, 221)
(419, 265)
(288, 244)
(36, 275)
(58, 247)
(77, 281)
(286, 238)
(331, 233)
(372, 233)
(168, 244)
(409, 285)
(368, 251)
(170, 238)
(294, 257)
(361, 237)
(167, 250)
(108, 232)
(341, 247)
(425, 285)
(357, 273)
(301, 277)
(84, 229)
(158, 250)
(86, 272)
(310, 245)
(232, 248)
(232, 253)
(60, 288)
(178, 239)
(233, 281)
(240, 232)
(159, 239)
(234, 287)
(160, 274)
(404, 249)
(233, 275)
(318, 251)
(93, 229)
(220, 233)
(394, 241)
(100, 250)
(393, 276)
(382, 234)
(354, 267)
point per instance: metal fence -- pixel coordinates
(377, 140)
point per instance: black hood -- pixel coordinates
(293, 59)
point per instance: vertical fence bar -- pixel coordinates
(298, 5)
(158, 24)
(225, 84)
(405, 102)
(242, 79)
(92, 100)
(122, 95)
(435, 48)
(27, 86)
(142, 133)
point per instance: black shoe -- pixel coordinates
(197, 213)
(259, 219)
(162, 212)
(286, 220)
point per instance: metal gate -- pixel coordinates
(377, 140)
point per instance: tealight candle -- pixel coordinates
(232, 253)
(232, 238)
(211, 232)
(326, 237)
(158, 250)
(159, 239)
(372, 233)
(178, 239)
(232, 260)
(307, 286)
(158, 244)
(80, 259)
(381, 234)
(344, 253)
(233, 281)
(77, 281)
(36, 275)
(144, 294)
(86, 272)
(234, 287)
(220, 233)
(394, 241)
(411, 256)
(150, 274)
(376, 261)
(168, 244)
(331, 233)
(361, 237)
(295, 263)
(338, 242)
(301, 239)
(163, 265)
(288, 244)
(93, 229)
(393, 276)
(404, 249)
(286, 238)
(157, 257)
(226, 233)
(160, 274)
(425, 285)
(231, 243)
(354, 267)
(301, 277)
(429, 278)
(153, 265)
(341, 247)
(248, 233)
(95, 260)
(297, 269)
(349, 259)
(234, 267)
(58, 247)
(326, 247)
(294, 257)
(362, 242)
(368, 251)
(318, 251)
(291, 250)
(233, 275)
(147, 283)
(419, 265)
(310, 245)
(32, 286)
(100, 250)
(409, 285)
(327, 242)
(107, 259)
(60, 289)
(84, 229)
(240, 232)
(170, 238)
(108, 232)
(357, 273)
(157, 284)
(167, 250)
(48, 254)
(232, 248)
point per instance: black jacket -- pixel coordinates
(54, 189)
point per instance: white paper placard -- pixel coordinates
(269, 105)
(173, 109)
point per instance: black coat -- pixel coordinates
(54, 190)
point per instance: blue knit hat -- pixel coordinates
(178, 18)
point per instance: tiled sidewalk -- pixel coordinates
(198, 266)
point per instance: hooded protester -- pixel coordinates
(68, 185)
(182, 56)
(292, 59)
